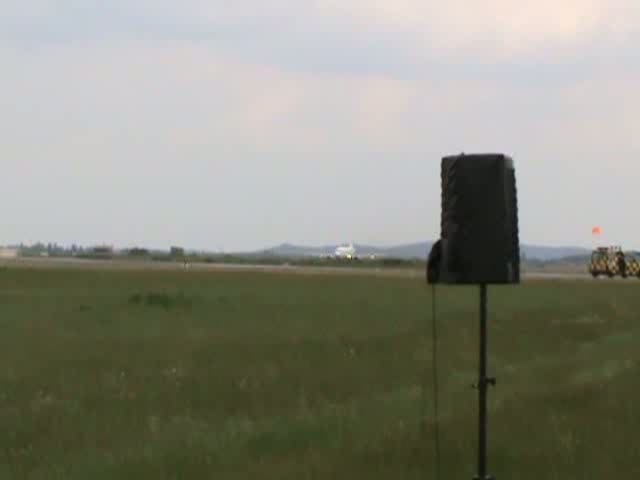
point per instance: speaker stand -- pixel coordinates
(483, 384)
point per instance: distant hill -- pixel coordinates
(553, 253)
(417, 250)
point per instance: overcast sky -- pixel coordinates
(235, 125)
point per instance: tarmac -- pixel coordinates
(125, 264)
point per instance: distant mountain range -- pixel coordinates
(416, 250)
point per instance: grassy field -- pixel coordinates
(200, 375)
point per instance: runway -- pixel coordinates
(125, 264)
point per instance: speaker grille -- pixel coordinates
(479, 222)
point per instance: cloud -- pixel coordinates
(504, 25)
(252, 123)
(351, 34)
(116, 133)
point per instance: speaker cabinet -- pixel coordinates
(479, 241)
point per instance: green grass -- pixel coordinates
(195, 375)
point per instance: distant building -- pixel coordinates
(9, 252)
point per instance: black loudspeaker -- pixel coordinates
(479, 241)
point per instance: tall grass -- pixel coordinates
(176, 375)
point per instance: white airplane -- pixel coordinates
(345, 251)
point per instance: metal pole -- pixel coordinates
(483, 384)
